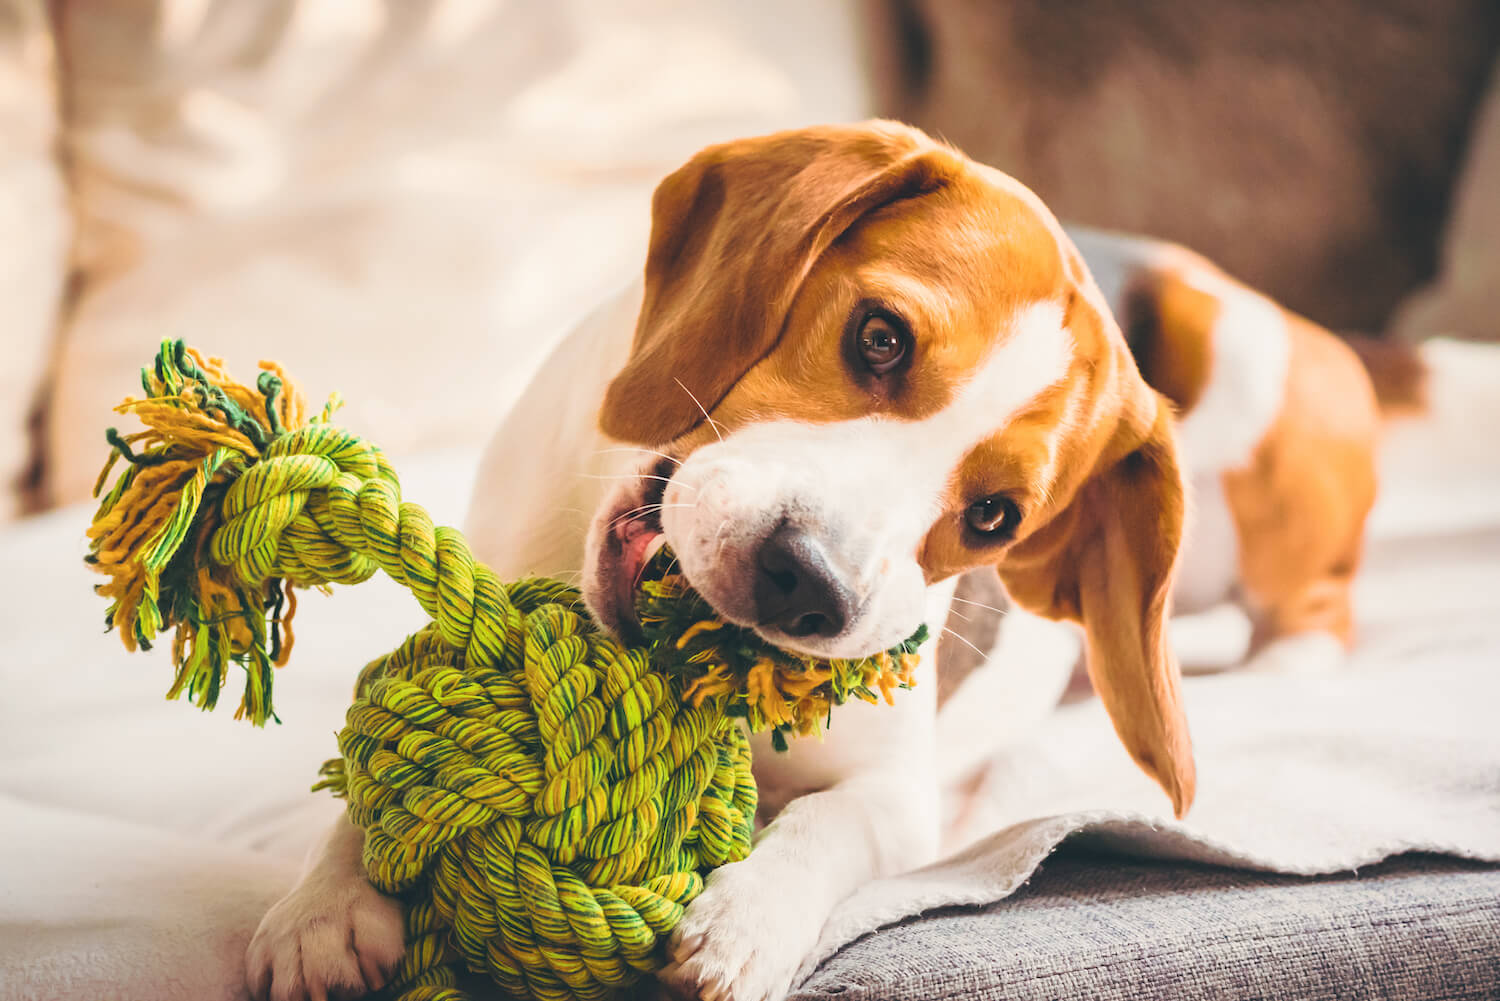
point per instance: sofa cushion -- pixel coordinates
(1111, 929)
(1464, 298)
(1309, 149)
(402, 202)
(34, 214)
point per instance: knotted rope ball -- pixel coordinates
(544, 799)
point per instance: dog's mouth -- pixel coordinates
(631, 537)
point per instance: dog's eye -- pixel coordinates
(994, 517)
(883, 342)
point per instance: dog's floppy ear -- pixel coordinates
(1125, 568)
(1107, 561)
(733, 235)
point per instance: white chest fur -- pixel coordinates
(1209, 567)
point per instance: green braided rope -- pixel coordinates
(593, 798)
(545, 800)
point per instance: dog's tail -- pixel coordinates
(1397, 370)
(1440, 452)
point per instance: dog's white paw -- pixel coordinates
(325, 941)
(1301, 653)
(743, 939)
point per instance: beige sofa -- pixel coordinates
(33, 207)
(408, 201)
(1339, 155)
(404, 201)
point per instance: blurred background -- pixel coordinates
(410, 200)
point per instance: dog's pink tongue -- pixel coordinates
(638, 543)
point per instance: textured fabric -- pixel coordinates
(1395, 751)
(34, 216)
(1108, 929)
(1464, 299)
(94, 908)
(318, 182)
(1306, 775)
(1309, 149)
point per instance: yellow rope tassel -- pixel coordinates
(544, 799)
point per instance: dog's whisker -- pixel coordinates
(646, 509)
(713, 424)
(979, 604)
(965, 641)
(633, 476)
(719, 540)
(961, 615)
(626, 516)
(634, 448)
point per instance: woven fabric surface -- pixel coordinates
(1315, 775)
(1107, 929)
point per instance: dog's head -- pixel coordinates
(865, 364)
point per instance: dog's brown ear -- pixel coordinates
(733, 235)
(1124, 587)
(1107, 561)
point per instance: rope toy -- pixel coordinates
(544, 799)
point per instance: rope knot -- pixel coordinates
(545, 800)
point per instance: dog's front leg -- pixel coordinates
(333, 936)
(747, 934)
(859, 804)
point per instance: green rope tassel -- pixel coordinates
(544, 799)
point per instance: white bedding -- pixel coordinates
(142, 840)
(1397, 752)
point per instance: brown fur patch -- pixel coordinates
(1169, 326)
(734, 234)
(1300, 507)
(1397, 372)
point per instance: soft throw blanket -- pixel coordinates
(1398, 751)
(140, 840)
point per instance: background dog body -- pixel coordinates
(1279, 428)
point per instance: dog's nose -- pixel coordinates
(796, 588)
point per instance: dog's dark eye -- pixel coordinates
(882, 342)
(994, 517)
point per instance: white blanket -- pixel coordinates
(142, 840)
(1398, 751)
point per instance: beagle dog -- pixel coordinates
(1278, 429)
(862, 365)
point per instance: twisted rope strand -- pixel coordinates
(544, 800)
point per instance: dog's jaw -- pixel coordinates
(623, 536)
(713, 524)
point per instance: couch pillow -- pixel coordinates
(34, 213)
(1309, 149)
(1464, 299)
(404, 202)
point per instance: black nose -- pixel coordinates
(796, 589)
